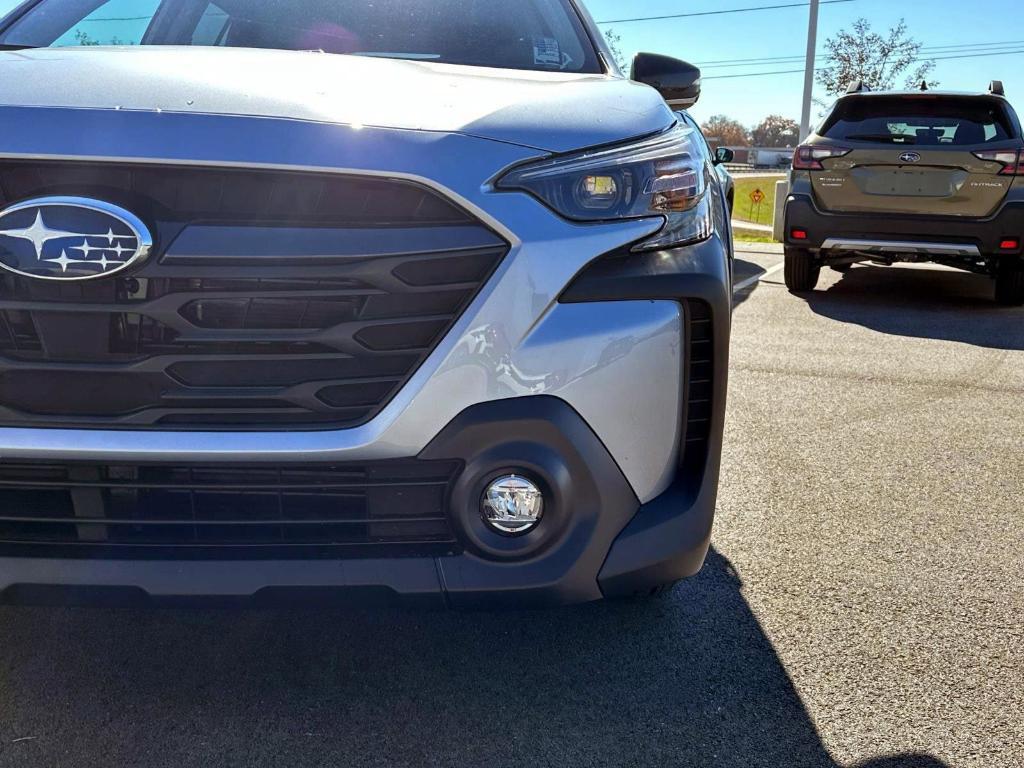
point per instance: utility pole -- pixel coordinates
(812, 46)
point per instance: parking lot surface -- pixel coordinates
(861, 606)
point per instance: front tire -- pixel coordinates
(801, 271)
(1010, 282)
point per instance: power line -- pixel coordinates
(719, 12)
(821, 69)
(962, 47)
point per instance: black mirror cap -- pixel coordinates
(724, 155)
(676, 81)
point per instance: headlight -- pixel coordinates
(664, 176)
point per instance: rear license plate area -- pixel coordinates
(899, 182)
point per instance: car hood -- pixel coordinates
(554, 112)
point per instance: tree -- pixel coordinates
(723, 131)
(776, 131)
(81, 38)
(879, 61)
(614, 40)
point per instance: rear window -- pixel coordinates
(542, 35)
(919, 120)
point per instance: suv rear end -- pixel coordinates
(919, 177)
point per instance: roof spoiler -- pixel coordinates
(996, 88)
(857, 86)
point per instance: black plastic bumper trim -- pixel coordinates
(589, 502)
(802, 212)
(669, 537)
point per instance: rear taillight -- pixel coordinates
(808, 158)
(1011, 160)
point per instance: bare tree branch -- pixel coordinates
(860, 53)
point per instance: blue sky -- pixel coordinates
(782, 32)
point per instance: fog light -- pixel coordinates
(512, 505)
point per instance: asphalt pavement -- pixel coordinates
(861, 606)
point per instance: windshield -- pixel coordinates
(544, 35)
(919, 120)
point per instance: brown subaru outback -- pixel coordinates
(910, 177)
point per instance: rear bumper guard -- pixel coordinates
(894, 247)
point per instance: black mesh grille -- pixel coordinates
(272, 300)
(85, 510)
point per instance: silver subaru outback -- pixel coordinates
(318, 299)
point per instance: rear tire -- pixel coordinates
(1010, 282)
(800, 270)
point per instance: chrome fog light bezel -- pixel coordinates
(512, 505)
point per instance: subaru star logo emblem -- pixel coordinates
(70, 238)
(910, 157)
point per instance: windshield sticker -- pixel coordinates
(547, 52)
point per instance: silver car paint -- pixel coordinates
(553, 111)
(589, 357)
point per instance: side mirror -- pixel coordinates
(724, 155)
(677, 81)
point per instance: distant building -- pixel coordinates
(763, 157)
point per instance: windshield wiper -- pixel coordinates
(7, 47)
(892, 138)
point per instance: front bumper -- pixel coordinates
(591, 515)
(574, 367)
(984, 234)
(598, 539)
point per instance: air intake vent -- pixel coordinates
(699, 385)
(248, 512)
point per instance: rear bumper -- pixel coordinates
(983, 234)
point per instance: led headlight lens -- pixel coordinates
(598, 193)
(666, 175)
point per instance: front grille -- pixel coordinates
(390, 508)
(272, 300)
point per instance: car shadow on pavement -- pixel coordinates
(686, 680)
(924, 303)
(744, 270)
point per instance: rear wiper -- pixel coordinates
(8, 47)
(892, 138)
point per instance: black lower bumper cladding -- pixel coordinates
(588, 503)
(986, 234)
